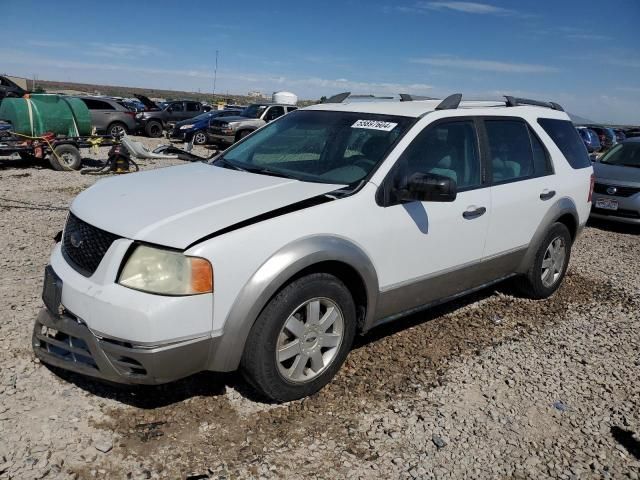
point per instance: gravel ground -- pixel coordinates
(491, 386)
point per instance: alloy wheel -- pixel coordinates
(309, 340)
(553, 262)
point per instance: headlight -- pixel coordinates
(166, 272)
(223, 125)
(186, 127)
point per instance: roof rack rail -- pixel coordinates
(338, 98)
(515, 101)
(407, 97)
(450, 103)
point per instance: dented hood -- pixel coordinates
(177, 206)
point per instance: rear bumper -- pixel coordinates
(66, 342)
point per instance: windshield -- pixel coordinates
(202, 116)
(623, 155)
(253, 111)
(317, 146)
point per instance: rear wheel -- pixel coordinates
(153, 129)
(65, 157)
(199, 138)
(117, 129)
(301, 338)
(549, 264)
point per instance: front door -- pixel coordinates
(433, 250)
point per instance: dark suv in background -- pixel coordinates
(152, 123)
(10, 89)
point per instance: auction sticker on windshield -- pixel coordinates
(375, 125)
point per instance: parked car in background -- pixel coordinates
(620, 135)
(632, 132)
(606, 136)
(110, 116)
(9, 88)
(153, 123)
(198, 128)
(616, 194)
(590, 139)
(319, 226)
(229, 130)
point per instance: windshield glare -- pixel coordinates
(623, 154)
(317, 146)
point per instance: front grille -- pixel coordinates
(601, 188)
(65, 347)
(621, 212)
(84, 245)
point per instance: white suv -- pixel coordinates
(325, 223)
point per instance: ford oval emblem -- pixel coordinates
(76, 239)
(612, 190)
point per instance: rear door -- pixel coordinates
(193, 109)
(523, 184)
(102, 113)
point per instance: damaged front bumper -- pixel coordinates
(66, 342)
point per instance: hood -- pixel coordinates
(192, 121)
(626, 176)
(175, 206)
(147, 102)
(238, 118)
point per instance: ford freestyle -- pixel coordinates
(321, 225)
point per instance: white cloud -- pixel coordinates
(467, 7)
(122, 50)
(483, 65)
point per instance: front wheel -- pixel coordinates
(549, 264)
(301, 338)
(199, 138)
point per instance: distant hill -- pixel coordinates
(119, 91)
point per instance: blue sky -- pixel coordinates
(583, 54)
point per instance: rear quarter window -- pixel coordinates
(567, 139)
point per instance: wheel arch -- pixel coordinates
(327, 254)
(564, 210)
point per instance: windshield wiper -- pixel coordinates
(233, 166)
(273, 173)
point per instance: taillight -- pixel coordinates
(593, 181)
(131, 114)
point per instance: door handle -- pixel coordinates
(474, 213)
(547, 194)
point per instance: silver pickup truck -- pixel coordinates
(229, 130)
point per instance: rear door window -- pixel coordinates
(93, 104)
(564, 135)
(510, 152)
(193, 107)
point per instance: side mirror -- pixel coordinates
(428, 187)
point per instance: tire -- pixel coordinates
(153, 129)
(241, 134)
(116, 129)
(308, 365)
(199, 138)
(555, 248)
(70, 158)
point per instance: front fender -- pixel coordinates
(275, 273)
